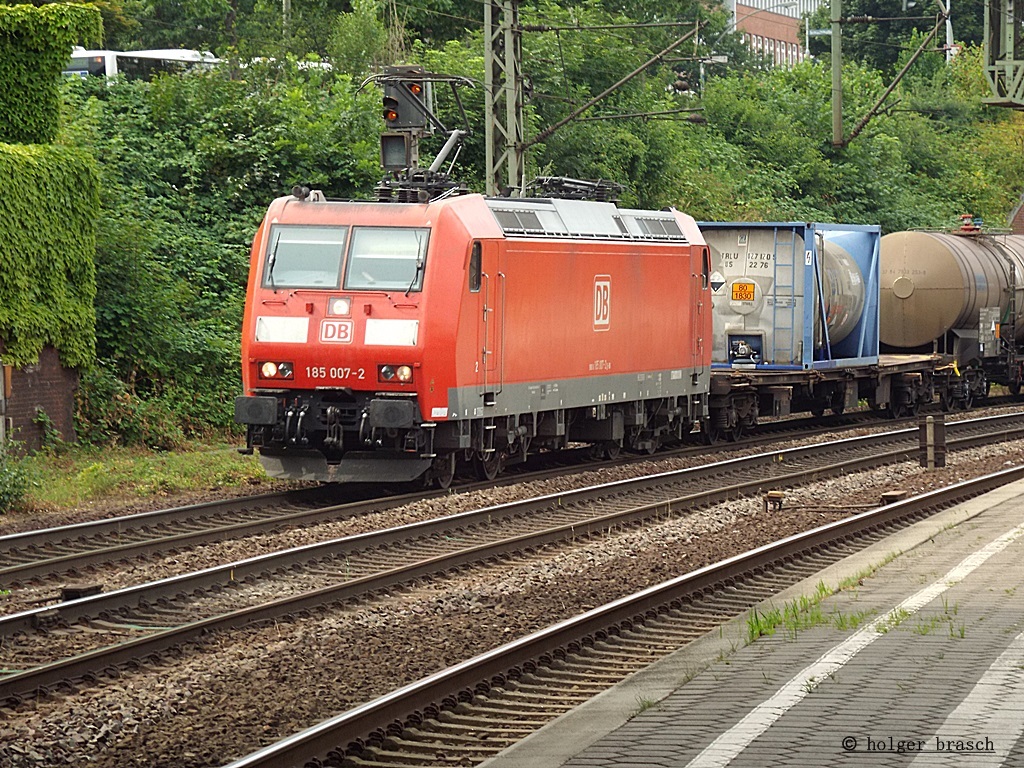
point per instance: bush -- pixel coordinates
(108, 413)
(14, 481)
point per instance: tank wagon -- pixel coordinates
(387, 341)
(959, 294)
(796, 325)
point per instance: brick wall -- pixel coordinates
(46, 385)
(1017, 220)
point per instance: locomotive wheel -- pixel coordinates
(606, 449)
(442, 472)
(612, 449)
(488, 466)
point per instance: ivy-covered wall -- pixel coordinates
(49, 198)
(35, 43)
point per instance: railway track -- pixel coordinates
(56, 554)
(71, 643)
(473, 710)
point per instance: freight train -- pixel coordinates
(389, 341)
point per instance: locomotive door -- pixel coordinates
(491, 331)
(700, 305)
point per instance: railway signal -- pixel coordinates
(405, 98)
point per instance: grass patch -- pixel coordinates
(80, 475)
(643, 704)
(802, 613)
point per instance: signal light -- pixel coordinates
(390, 109)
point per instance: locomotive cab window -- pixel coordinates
(475, 268)
(386, 259)
(304, 257)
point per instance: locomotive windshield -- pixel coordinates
(386, 258)
(304, 257)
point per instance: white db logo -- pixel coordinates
(602, 302)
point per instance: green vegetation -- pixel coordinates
(643, 703)
(800, 614)
(79, 476)
(893, 619)
(34, 44)
(47, 241)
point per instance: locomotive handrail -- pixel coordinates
(501, 350)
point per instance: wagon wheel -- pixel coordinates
(838, 404)
(735, 432)
(1014, 387)
(711, 433)
(442, 472)
(947, 400)
(487, 466)
(896, 410)
(611, 449)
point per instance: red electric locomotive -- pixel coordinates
(386, 341)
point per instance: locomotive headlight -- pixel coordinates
(402, 373)
(342, 305)
(270, 369)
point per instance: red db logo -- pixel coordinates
(336, 331)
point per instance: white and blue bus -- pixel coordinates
(138, 65)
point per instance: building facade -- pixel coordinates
(773, 28)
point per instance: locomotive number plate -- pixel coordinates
(742, 291)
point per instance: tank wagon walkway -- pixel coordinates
(919, 663)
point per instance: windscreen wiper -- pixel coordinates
(415, 276)
(272, 261)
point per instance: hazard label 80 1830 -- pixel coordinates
(742, 291)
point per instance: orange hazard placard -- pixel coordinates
(742, 291)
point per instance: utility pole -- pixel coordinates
(837, 73)
(503, 97)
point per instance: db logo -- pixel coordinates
(336, 331)
(602, 302)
